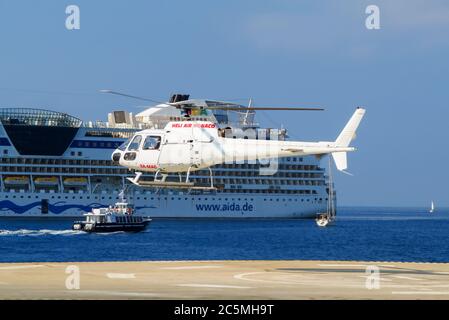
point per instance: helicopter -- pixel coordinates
(191, 145)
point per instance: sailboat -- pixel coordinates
(432, 207)
(328, 218)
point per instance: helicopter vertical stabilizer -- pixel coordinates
(346, 136)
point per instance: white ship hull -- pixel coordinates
(164, 206)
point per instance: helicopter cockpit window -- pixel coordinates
(134, 145)
(124, 145)
(152, 143)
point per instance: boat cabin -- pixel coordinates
(113, 215)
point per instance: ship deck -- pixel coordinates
(225, 280)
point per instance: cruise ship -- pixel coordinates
(56, 165)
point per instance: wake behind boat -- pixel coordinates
(118, 217)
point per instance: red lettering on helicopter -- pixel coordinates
(194, 125)
(147, 166)
(204, 125)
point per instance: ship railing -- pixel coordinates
(106, 125)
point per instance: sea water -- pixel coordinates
(370, 234)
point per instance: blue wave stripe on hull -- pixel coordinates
(57, 209)
(53, 208)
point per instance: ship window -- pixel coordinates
(152, 143)
(134, 145)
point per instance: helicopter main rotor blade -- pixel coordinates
(264, 108)
(129, 96)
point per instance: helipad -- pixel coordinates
(225, 280)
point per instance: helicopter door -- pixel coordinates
(201, 137)
(195, 153)
(151, 150)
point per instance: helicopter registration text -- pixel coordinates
(148, 166)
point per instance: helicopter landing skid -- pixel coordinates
(162, 183)
(173, 185)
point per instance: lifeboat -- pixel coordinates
(75, 182)
(17, 180)
(46, 181)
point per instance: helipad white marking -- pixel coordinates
(211, 286)
(243, 275)
(342, 265)
(381, 278)
(386, 265)
(407, 278)
(428, 289)
(121, 275)
(22, 267)
(117, 293)
(422, 292)
(356, 265)
(435, 285)
(191, 267)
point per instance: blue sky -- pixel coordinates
(280, 53)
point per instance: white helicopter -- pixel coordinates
(187, 146)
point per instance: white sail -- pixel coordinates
(432, 207)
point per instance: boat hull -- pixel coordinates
(110, 227)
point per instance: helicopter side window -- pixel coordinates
(152, 143)
(134, 145)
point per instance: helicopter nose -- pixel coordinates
(116, 157)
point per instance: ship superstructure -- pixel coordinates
(55, 165)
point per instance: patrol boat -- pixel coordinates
(118, 217)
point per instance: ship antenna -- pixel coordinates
(330, 203)
(250, 104)
(122, 194)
